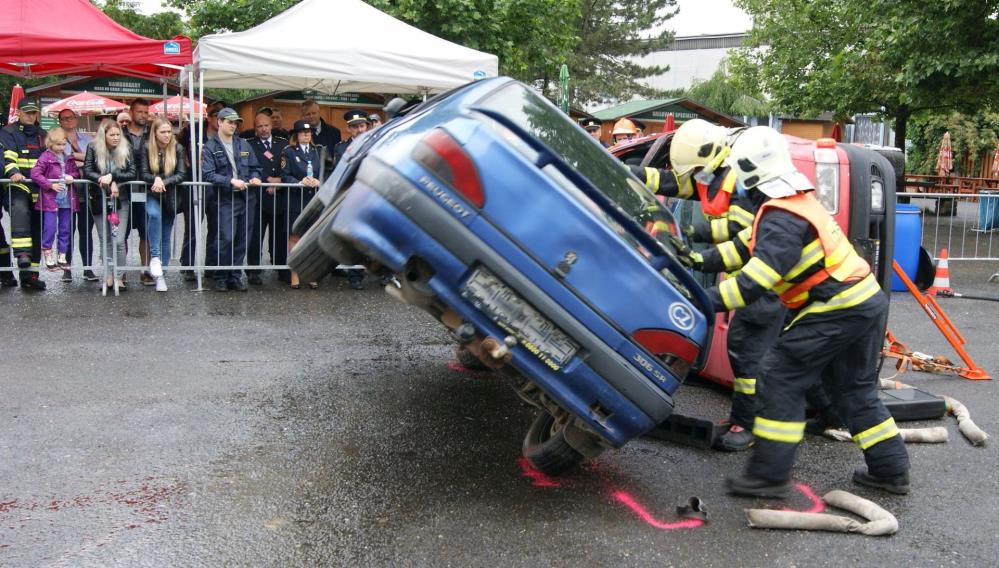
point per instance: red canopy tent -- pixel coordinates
(73, 37)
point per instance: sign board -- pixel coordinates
(118, 86)
(339, 99)
(680, 114)
(45, 121)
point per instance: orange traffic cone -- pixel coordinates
(941, 280)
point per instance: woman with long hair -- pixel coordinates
(108, 163)
(163, 170)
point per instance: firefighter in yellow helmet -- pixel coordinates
(835, 332)
(624, 130)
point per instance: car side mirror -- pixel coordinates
(393, 107)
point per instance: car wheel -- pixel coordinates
(308, 217)
(468, 360)
(546, 448)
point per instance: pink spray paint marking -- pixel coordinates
(628, 501)
(817, 505)
(538, 478)
(458, 367)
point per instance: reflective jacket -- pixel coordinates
(727, 213)
(799, 251)
(21, 151)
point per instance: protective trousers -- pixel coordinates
(227, 232)
(752, 331)
(25, 224)
(4, 243)
(840, 349)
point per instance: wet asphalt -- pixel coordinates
(327, 427)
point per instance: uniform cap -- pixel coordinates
(355, 116)
(27, 105)
(590, 123)
(300, 126)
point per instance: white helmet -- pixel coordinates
(761, 158)
(697, 143)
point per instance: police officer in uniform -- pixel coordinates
(301, 162)
(267, 146)
(357, 124)
(834, 335)
(230, 164)
(23, 141)
(592, 127)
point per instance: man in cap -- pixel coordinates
(229, 163)
(375, 120)
(592, 126)
(22, 142)
(357, 124)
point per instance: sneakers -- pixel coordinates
(897, 484)
(31, 281)
(156, 267)
(189, 276)
(146, 279)
(89, 276)
(751, 486)
(161, 284)
(63, 263)
(67, 276)
(236, 286)
(50, 259)
(737, 439)
(255, 279)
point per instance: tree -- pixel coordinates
(216, 16)
(612, 33)
(724, 94)
(895, 58)
(971, 135)
(163, 25)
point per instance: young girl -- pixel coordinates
(163, 169)
(58, 201)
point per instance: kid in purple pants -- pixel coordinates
(57, 201)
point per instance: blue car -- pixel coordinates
(538, 250)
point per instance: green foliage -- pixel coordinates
(892, 57)
(215, 16)
(611, 34)
(724, 94)
(970, 135)
(163, 25)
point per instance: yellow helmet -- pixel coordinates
(698, 143)
(624, 126)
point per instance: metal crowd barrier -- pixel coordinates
(967, 225)
(190, 242)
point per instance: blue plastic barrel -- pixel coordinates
(988, 210)
(908, 235)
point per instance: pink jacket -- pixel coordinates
(46, 168)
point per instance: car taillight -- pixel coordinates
(443, 156)
(674, 350)
(827, 178)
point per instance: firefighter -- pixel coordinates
(624, 130)
(22, 142)
(834, 335)
(697, 154)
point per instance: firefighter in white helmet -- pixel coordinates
(835, 332)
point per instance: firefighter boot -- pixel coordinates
(751, 486)
(7, 280)
(31, 281)
(736, 439)
(897, 484)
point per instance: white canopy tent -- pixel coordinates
(337, 46)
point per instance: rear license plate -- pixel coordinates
(538, 335)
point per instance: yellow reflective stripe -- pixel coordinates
(879, 433)
(842, 250)
(728, 182)
(4, 250)
(731, 296)
(745, 235)
(761, 273)
(811, 254)
(20, 242)
(11, 167)
(778, 431)
(852, 296)
(848, 267)
(652, 179)
(10, 155)
(741, 216)
(730, 255)
(744, 385)
(684, 187)
(719, 230)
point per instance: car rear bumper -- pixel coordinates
(393, 222)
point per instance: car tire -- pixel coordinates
(309, 260)
(468, 360)
(308, 217)
(548, 451)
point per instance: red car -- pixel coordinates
(854, 183)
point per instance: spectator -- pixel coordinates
(299, 163)
(137, 132)
(162, 170)
(251, 133)
(375, 120)
(324, 136)
(277, 124)
(229, 163)
(108, 163)
(58, 199)
(211, 123)
(76, 149)
(124, 120)
(357, 124)
(268, 148)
